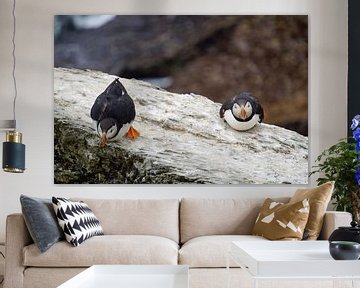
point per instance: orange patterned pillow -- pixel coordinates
(319, 198)
(279, 221)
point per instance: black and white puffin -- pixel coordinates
(242, 112)
(113, 113)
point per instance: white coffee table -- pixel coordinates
(131, 276)
(292, 260)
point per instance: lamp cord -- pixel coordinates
(14, 59)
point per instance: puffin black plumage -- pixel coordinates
(113, 113)
(242, 112)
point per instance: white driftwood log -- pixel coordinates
(183, 140)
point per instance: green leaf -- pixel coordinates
(339, 163)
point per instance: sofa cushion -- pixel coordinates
(200, 217)
(35, 277)
(158, 217)
(77, 220)
(107, 249)
(211, 251)
(279, 221)
(319, 198)
(41, 221)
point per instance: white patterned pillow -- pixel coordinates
(77, 220)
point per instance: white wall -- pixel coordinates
(328, 59)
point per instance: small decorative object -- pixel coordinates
(242, 112)
(344, 250)
(341, 163)
(113, 113)
(344, 233)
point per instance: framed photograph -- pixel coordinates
(181, 99)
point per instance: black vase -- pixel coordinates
(344, 250)
(351, 234)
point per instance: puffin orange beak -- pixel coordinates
(103, 140)
(242, 113)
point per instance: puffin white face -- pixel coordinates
(111, 133)
(242, 111)
(107, 129)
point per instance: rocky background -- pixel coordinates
(178, 142)
(215, 56)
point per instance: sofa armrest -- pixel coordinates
(332, 220)
(17, 237)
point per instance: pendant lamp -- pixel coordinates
(13, 149)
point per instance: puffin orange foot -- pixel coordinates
(132, 133)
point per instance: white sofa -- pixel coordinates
(194, 232)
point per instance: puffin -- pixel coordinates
(242, 112)
(113, 113)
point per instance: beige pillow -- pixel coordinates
(279, 221)
(319, 198)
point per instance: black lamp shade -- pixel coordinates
(13, 157)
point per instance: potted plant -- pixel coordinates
(341, 163)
